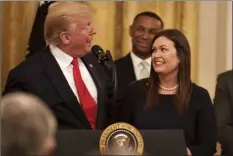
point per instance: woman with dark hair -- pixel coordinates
(168, 99)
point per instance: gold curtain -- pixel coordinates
(17, 20)
(111, 20)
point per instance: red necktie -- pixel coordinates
(87, 102)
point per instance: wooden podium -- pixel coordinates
(86, 142)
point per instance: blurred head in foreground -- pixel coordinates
(27, 126)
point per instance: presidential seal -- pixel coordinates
(121, 139)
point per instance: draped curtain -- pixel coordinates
(17, 19)
(111, 20)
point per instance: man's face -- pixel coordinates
(142, 32)
(81, 37)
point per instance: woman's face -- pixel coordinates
(164, 56)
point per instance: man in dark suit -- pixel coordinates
(223, 104)
(36, 40)
(65, 75)
(136, 65)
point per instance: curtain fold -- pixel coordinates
(17, 20)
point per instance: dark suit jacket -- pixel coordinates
(125, 73)
(223, 104)
(197, 121)
(42, 76)
(36, 41)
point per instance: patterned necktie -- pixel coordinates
(144, 73)
(87, 102)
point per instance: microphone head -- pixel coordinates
(103, 58)
(96, 50)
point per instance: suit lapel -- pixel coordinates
(59, 81)
(100, 88)
(129, 67)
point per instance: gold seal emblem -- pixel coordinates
(121, 139)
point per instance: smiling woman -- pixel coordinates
(164, 56)
(168, 99)
(171, 68)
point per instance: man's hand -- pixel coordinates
(188, 151)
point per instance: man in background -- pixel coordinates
(27, 126)
(36, 40)
(65, 74)
(223, 104)
(136, 64)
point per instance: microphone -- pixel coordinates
(103, 58)
(106, 60)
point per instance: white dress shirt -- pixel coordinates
(137, 64)
(64, 61)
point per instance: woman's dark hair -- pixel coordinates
(184, 91)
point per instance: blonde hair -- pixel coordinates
(63, 17)
(26, 125)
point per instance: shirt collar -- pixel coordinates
(137, 60)
(63, 59)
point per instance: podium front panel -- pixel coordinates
(86, 142)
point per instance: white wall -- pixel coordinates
(215, 42)
(207, 39)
